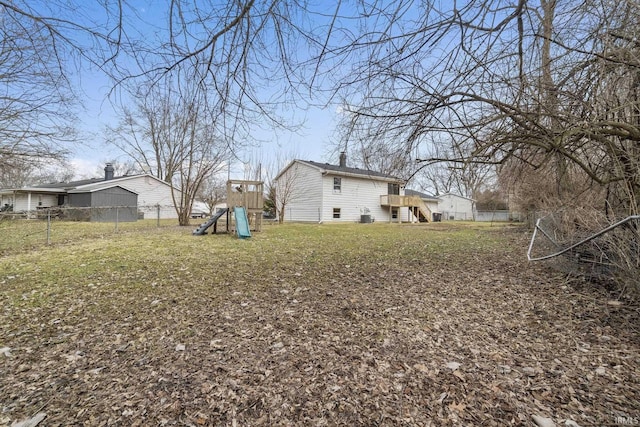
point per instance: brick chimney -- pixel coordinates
(108, 172)
(343, 159)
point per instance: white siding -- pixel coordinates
(44, 200)
(22, 203)
(300, 184)
(432, 205)
(6, 199)
(313, 198)
(152, 194)
(355, 195)
(406, 215)
(454, 207)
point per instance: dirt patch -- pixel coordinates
(423, 335)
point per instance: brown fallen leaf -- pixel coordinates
(31, 422)
(460, 407)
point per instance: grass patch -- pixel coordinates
(171, 259)
(305, 324)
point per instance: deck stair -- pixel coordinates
(416, 205)
(419, 208)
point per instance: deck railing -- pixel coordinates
(397, 200)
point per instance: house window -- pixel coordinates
(394, 213)
(337, 184)
(336, 213)
(394, 189)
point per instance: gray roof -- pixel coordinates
(74, 184)
(71, 184)
(409, 192)
(352, 171)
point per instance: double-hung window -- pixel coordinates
(337, 184)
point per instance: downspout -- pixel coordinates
(321, 197)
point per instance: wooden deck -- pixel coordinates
(415, 204)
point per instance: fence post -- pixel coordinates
(48, 226)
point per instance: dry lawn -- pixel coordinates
(367, 324)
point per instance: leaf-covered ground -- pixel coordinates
(368, 324)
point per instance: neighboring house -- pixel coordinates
(455, 207)
(111, 204)
(143, 194)
(448, 207)
(320, 192)
(201, 210)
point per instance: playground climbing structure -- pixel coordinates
(248, 195)
(245, 202)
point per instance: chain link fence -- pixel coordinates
(27, 229)
(95, 214)
(589, 245)
(499, 216)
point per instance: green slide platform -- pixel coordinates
(242, 223)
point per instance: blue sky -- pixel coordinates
(313, 141)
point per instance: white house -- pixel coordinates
(321, 192)
(154, 196)
(200, 209)
(455, 207)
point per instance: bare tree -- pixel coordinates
(542, 82)
(545, 91)
(463, 178)
(16, 171)
(282, 184)
(37, 102)
(243, 57)
(552, 85)
(287, 190)
(21, 171)
(173, 133)
(120, 167)
(212, 191)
